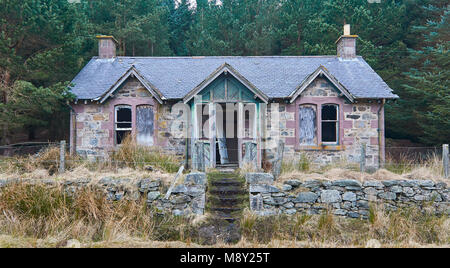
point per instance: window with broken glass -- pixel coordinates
(122, 122)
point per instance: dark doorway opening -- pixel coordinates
(229, 119)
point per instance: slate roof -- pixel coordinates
(276, 76)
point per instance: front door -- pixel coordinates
(226, 124)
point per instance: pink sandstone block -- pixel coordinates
(348, 124)
(374, 124)
(79, 108)
(373, 140)
(290, 108)
(374, 108)
(290, 141)
(290, 124)
(349, 140)
(348, 108)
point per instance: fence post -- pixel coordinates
(445, 160)
(278, 161)
(62, 156)
(362, 165)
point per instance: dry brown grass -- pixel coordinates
(128, 160)
(36, 216)
(135, 156)
(37, 212)
(403, 228)
(302, 168)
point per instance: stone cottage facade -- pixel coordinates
(232, 110)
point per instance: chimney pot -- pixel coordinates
(347, 29)
(346, 44)
(106, 46)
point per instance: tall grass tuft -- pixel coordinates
(136, 156)
(40, 212)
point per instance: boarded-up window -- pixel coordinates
(307, 124)
(144, 125)
(122, 122)
(330, 123)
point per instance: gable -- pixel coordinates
(320, 87)
(232, 79)
(226, 88)
(133, 88)
(321, 72)
(133, 73)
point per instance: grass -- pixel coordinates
(128, 155)
(429, 167)
(38, 212)
(135, 156)
(38, 216)
(405, 227)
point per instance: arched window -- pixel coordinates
(122, 122)
(307, 124)
(330, 123)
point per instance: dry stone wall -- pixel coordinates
(349, 197)
(187, 198)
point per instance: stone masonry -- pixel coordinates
(359, 124)
(349, 197)
(95, 122)
(187, 198)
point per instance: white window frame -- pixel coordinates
(333, 121)
(116, 109)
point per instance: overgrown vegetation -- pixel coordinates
(400, 228)
(38, 213)
(428, 167)
(128, 155)
(135, 156)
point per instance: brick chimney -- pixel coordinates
(346, 44)
(106, 46)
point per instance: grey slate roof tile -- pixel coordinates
(276, 76)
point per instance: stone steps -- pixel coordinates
(227, 190)
(226, 197)
(227, 182)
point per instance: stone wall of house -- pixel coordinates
(94, 125)
(172, 129)
(358, 122)
(349, 197)
(93, 136)
(187, 198)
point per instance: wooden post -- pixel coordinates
(445, 160)
(362, 165)
(201, 157)
(277, 164)
(62, 156)
(169, 192)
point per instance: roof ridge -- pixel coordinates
(219, 57)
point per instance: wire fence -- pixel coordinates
(396, 158)
(26, 148)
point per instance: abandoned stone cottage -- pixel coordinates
(232, 110)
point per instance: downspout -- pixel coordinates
(72, 130)
(381, 149)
